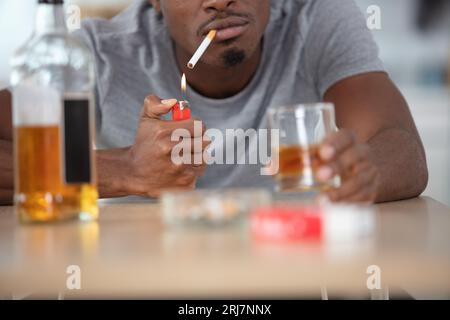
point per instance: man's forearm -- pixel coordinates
(402, 165)
(112, 175)
(6, 172)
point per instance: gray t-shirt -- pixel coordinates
(309, 45)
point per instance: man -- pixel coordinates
(266, 53)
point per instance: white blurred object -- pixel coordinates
(17, 23)
(211, 207)
(347, 223)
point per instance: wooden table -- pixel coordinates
(129, 253)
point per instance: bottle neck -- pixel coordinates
(50, 18)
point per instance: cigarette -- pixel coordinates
(201, 50)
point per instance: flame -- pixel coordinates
(183, 83)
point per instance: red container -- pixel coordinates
(287, 223)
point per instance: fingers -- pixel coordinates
(344, 164)
(193, 145)
(336, 143)
(177, 131)
(189, 155)
(154, 107)
(199, 169)
(186, 175)
(360, 187)
(185, 180)
(343, 156)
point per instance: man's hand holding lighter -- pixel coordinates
(150, 169)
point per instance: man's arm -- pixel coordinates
(372, 107)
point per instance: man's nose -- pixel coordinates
(218, 5)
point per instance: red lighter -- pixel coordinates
(182, 110)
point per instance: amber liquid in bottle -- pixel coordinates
(41, 194)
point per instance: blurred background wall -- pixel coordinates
(414, 42)
(17, 23)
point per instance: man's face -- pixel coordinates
(240, 25)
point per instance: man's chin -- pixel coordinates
(226, 58)
(233, 57)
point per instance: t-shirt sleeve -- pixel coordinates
(339, 44)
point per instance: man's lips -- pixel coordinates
(228, 28)
(231, 32)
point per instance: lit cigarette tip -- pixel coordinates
(202, 49)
